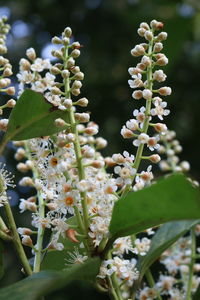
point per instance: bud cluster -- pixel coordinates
(146, 77)
(6, 72)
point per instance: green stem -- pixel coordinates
(145, 127)
(40, 235)
(41, 205)
(5, 236)
(151, 282)
(191, 267)
(112, 291)
(16, 239)
(77, 149)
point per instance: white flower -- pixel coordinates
(160, 110)
(75, 258)
(142, 246)
(142, 139)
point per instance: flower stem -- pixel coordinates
(77, 149)
(151, 282)
(191, 267)
(41, 205)
(16, 239)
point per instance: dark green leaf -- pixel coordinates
(170, 199)
(166, 235)
(197, 294)
(33, 116)
(45, 282)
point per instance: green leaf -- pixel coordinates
(45, 282)
(170, 199)
(197, 294)
(33, 116)
(166, 235)
(56, 260)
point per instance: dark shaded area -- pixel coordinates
(107, 30)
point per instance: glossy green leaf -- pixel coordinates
(166, 235)
(170, 199)
(45, 282)
(33, 116)
(56, 260)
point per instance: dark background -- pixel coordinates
(107, 30)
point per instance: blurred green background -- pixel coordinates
(107, 30)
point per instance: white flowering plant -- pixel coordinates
(94, 218)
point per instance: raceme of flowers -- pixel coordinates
(70, 176)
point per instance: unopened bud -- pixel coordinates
(30, 53)
(68, 32)
(155, 158)
(71, 235)
(82, 102)
(56, 40)
(11, 103)
(10, 91)
(165, 91)
(27, 241)
(60, 122)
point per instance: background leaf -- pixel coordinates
(33, 116)
(56, 260)
(165, 236)
(170, 199)
(43, 283)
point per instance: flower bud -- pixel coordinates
(155, 158)
(137, 94)
(82, 102)
(82, 117)
(141, 31)
(159, 76)
(11, 103)
(101, 143)
(76, 84)
(76, 92)
(59, 122)
(7, 72)
(27, 241)
(158, 47)
(148, 35)
(30, 53)
(160, 127)
(165, 91)
(10, 91)
(68, 32)
(147, 94)
(3, 124)
(185, 166)
(126, 133)
(55, 70)
(75, 53)
(79, 76)
(65, 73)
(161, 36)
(144, 25)
(4, 82)
(70, 62)
(56, 91)
(56, 40)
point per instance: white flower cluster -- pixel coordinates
(5, 73)
(75, 186)
(145, 79)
